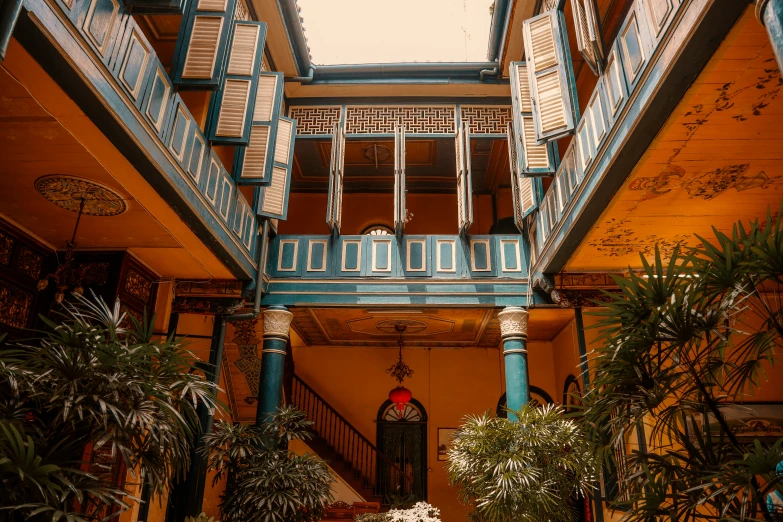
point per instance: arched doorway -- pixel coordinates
(403, 439)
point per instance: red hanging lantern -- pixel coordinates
(399, 370)
(400, 396)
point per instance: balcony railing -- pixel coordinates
(111, 57)
(627, 62)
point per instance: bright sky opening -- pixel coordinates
(375, 31)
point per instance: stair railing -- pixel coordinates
(345, 440)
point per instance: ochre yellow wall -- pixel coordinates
(450, 383)
(432, 213)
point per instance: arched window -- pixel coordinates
(538, 397)
(378, 230)
(402, 439)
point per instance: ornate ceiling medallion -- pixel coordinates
(390, 326)
(377, 153)
(68, 192)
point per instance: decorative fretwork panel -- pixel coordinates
(15, 305)
(417, 119)
(486, 120)
(311, 121)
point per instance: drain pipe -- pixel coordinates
(483, 73)
(259, 279)
(303, 79)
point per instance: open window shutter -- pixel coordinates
(339, 179)
(464, 188)
(588, 34)
(522, 187)
(533, 159)
(231, 107)
(200, 53)
(399, 179)
(550, 76)
(273, 198)
(332, 196)
(468, 178)
(334, 204)
(253, 163)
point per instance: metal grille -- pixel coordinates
(416, 119)
(315, 120)
(486, 120)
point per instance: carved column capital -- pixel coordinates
(277, 323)
(513, 323)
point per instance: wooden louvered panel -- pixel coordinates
(542, 37)
(513, 168)
(256, 152)
(536, 156)
(283, 142)
(203, 47)
(274, 194)
(213, 5)
(233, 106)
(265, 98)
(524, 88)
(243, 49)
(551, 104)
(526, 195)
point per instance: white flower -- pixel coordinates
(420, 512)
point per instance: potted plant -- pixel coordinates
(680, 345)
(93, 385)
(267, 482)
(521, 470)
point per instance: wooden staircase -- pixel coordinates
(350, 454)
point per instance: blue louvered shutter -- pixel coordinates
(522, 187)
(550, 77)
(273, 198)
(533, 159)
(464, 182)
(588, 34)
(334, 206)
(202, 43)
(399, 180)
(231, 108)
(253, 163)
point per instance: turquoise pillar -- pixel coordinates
(513, 330)
(770, 14)
(277, 321)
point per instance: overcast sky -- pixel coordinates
(382, 31)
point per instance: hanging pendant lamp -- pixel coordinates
(400, 395)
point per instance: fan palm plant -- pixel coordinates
(523, 470)
(677, 344)
(267, 482)
(90, 386)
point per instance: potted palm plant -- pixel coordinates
(267, 482)
(87, 399)
(681, 345)
(521, 470)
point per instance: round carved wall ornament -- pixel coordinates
(68, 192)
(375, 152)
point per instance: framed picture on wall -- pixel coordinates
(445, 436)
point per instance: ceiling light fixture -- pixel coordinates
(400, 395)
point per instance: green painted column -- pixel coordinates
(277, 321)
(513, 330)
(770, 14)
